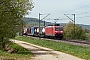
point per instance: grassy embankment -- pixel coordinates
(88, 36)
(22, 54)
(79, 51)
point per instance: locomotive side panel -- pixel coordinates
(54, 31)
(49, 31)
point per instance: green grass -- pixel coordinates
(78, 51)
(88, 38)
(88, 34)
(22, 54)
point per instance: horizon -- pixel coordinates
(57, 22)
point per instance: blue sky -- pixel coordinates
(57, 9)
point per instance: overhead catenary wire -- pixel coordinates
(78, 15)
(83, 16)
(73, 9)
(83, 13)
(76, 9)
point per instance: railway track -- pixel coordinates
(76, 42)
(79, 41)
(84, 43)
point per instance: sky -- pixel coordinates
(59, 8)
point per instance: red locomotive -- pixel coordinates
(54, 31)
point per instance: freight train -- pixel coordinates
(55, 31)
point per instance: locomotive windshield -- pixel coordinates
(58, 29)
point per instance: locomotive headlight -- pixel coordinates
(61, 31)
(56, 31)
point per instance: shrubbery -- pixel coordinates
(70, 34)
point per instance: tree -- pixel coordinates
(69, 32)
(11, 14)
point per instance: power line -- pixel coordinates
(83, 13)
(76, 14)
(80, 7)
(75, 9)
(83, 16)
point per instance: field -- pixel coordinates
(22, 54)
(88, 36)
(78, 51)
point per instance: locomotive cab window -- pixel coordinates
(58, 29)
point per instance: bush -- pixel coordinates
(70, 33)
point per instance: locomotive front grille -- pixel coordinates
(58, 34)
